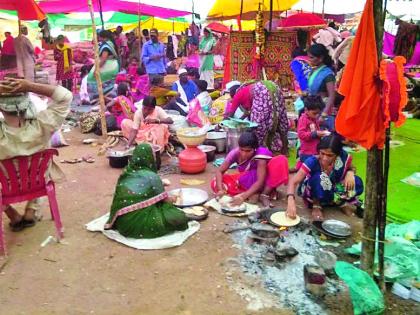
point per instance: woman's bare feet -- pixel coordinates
(348, 209)
(317, 214)
(265, 200)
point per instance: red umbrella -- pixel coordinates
(218, 27)
(26, 9)
(303, 19)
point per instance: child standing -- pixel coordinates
(63, 54)
(309, 131)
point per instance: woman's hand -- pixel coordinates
(220, 193)
(291, 208)
(13, 85)
(237, 200)
(151, 121)
(349, 181)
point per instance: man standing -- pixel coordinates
(8, 54)
(25, 56)
(187, 90)
(122, 43)
(153, 56)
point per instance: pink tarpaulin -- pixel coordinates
(71, 6)
(388, 49)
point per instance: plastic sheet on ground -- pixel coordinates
(413, 180)
(365, 294)
(402, 254)
(171, 240)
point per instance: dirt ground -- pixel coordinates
(90, 274)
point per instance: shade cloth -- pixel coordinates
(65, 6)
(230, 9)
(361, 106)
(27, 9)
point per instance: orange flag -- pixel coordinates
(360, 116)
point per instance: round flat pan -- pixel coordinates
(318, 226)
(190, 196)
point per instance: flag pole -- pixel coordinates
(97, 74)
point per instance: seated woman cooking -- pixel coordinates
(150, 125)
(122, 106)
(141, 207)
(327, 179)
(259, 172)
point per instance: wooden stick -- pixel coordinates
(97, 73)
(373, 173)
(140, 37)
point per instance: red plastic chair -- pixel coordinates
(22, 178)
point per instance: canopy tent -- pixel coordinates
(408, 9)
(231, 9)
(303, 20)
(176, 25)
(26, 9)
(65, 6)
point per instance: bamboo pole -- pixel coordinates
(97, 74)
(374, 175)
(140, 36)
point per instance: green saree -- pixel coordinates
(139, 209)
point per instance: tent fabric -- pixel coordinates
(303, 19)
(230, 9)
(65, 6)
(27, 10)
(361, 106)
(175, 25)
(330, 6)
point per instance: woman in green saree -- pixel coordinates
(207, 58)
(109, 65)
(141, 207)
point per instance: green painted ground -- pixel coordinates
(403, 199)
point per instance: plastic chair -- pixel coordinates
(22, 178)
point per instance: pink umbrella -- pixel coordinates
(218, 27)
(303, 20)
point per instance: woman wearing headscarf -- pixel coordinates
(262, 102)
(207, 58)
(141, 208)
(63, 54)
(24, 132)
(109, 65)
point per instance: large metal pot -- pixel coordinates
(217, 139)
(120, 159)
(209, 150)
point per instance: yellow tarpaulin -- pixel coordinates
(230, 9)
(161, 25)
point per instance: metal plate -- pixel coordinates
(336, 227)
(190, 196)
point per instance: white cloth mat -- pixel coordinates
(167, 241)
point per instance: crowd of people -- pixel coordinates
(138, 101)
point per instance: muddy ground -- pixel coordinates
(90, 274)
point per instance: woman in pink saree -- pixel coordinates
(260, 173)
(121, 107)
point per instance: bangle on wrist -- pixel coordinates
(291, 195)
